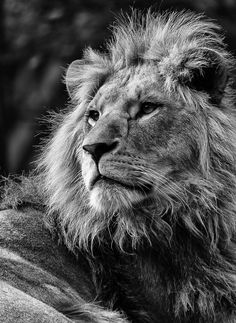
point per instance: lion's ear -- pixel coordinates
(85, 76)
(73, 78)
(204, 71)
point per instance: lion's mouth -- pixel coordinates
(111, 181)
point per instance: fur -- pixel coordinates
(180, 241)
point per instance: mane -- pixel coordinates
(169, 39)
(203, 204)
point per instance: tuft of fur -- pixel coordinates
(193, 220)
(19, 191)
(92, 313)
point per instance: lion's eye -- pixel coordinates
(93, 116)
(148, 107)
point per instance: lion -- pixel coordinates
(137, 183)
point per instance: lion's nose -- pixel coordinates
(100, 148)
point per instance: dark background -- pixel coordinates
(39, 38)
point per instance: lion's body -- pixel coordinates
(37, 274)
(140, 175)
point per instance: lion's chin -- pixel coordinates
(111, 198)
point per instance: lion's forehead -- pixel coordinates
(139, 83)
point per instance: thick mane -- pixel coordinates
(178, 42)
(163, 37)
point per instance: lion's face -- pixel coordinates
(135, 139)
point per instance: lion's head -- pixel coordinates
(150, 140)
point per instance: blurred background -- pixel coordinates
(39, 38)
